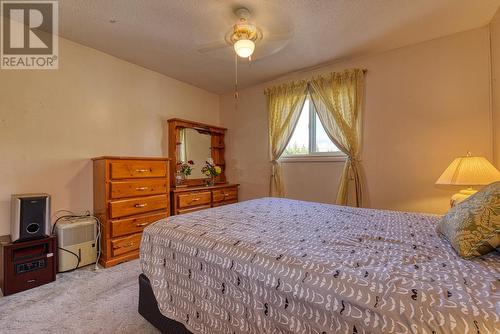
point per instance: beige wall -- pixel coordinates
(425, 104)
(495, 74)
(53, 122)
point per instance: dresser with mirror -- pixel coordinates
(197, 143)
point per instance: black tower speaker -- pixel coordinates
(30, 217)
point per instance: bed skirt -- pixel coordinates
(148, 308)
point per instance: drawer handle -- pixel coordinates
(225, 195)
(124, 246)
(195, 199)
(31, 281)
(141, 188)
(141, 205)
(141, 225)
(142, 170)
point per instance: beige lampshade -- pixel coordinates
(469, 171)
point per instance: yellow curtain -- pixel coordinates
(338, 98)
(284, 104)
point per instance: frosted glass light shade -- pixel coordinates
(469, 171)
(244, 48)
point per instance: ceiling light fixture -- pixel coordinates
(245, 39)
(244, 48)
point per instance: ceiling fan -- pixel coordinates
(244, 36)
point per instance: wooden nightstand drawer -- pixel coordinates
(135, 188)
(126, 244)
(129, 169)
(133, 225)
(133, 206)
(194, 199)
(225, 194)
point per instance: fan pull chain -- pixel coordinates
(236, 94)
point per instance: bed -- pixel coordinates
(284, 266)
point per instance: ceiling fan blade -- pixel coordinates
(277, 37)
(213, 46)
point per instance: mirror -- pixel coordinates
(188, 140)
(194, 145)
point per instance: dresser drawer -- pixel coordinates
(135, 188)
(224, 203)
(193, 209)
(133, 206)
(133, 225)
(225, 194)
(126, 244)
(194, 199)
(129, 169)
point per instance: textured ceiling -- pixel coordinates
(165, 35)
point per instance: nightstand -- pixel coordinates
(27, 264)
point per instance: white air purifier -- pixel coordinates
(76, 235)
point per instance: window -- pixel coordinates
(309, 137)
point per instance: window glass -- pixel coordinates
(309, 136)
(323, 142)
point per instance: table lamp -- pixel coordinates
(468, 171)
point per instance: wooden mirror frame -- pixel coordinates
(217, 133)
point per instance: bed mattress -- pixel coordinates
(284, 266)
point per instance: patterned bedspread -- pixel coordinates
(283, 266)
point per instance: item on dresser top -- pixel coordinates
(26, 264)
(211, 171)
(129, 194)
(30, 216)
(184, 169)
(473, 226)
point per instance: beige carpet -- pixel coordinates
(83, 301)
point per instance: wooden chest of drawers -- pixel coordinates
(189, 199)
(129, 194)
